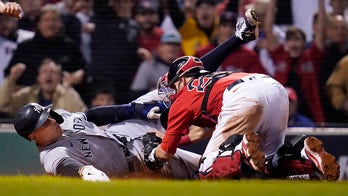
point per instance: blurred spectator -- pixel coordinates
(48, 90)
(243, 59)
(31, 11)
(302, 12)
(146, 15)
(260, 45)
(339, 7)
(44, 2)
(114, 46)
(150, 70)
(337, 87)
(10, 36)
(103, 97)
(48, 42)
(72, 25)
(199, 26)
(336, 48)
(85, 14)
(295, 118)
(295, 66)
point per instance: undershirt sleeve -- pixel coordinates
(68, 167)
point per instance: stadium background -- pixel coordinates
(19, 156)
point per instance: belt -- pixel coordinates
(235, 83)
(126, 152)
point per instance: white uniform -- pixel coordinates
(88, 144)
(260, 104)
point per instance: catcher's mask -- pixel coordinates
(33, 116)
(164, 89)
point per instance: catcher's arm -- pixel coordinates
(70, 167)
(12, 9)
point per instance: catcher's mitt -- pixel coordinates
(150, 142)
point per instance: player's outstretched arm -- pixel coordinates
(246, 30)
(116, 113)
(12, 9)
(70, 167)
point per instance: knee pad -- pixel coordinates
(224, 167)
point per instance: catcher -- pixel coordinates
(247, 114)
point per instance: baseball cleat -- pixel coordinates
(324, 161)
(247, 29)
(251, 152)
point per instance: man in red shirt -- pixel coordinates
(146, 15)
(296, 66)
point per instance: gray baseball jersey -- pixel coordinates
(88, 144)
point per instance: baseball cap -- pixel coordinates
(145, 7)
(32, 116)
(200, 2)
(228, 17)
(171, 37)
(292, 94)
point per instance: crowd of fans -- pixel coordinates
(112, 51)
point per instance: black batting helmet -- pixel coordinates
(185, 66)
(33, 116)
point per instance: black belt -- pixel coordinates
(126, 152)
(234, 84)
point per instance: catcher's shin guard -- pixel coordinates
(324, 161)
(226, 166)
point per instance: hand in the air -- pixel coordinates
(12, 9)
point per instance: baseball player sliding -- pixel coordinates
(11, 9)
(70, 145)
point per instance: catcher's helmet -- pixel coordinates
(185, 66)
(33, 116)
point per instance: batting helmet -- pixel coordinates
(185, 66)
(33, 116)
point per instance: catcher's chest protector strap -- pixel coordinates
(214, 79)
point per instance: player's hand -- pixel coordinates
(153, 113)
(150, 110)
(90, 173)
(12, 9)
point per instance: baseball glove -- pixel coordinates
(150, 142)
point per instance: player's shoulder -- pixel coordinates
(148, 97)
(66, 114)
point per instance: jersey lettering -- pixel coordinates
(85, 147)
(79, 127)
(199, 84)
